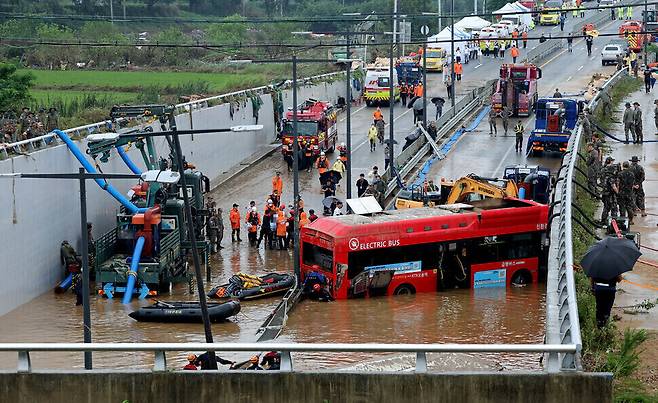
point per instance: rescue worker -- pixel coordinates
(266, 226)
(387, 156)
(514, 52)
(234, 217)
(205, 362)
(404, 93)
(380, 125)
(620, 13)
(329, 189)
(629, 12)
(515, 37)
(504, 114)
(574, 11)
(281, 230)
(493, 129)
(276, 199)
(459, 69)
(213, 232)
(518, 132)
(448, 82)
(361, 185)
(253, 221)
(290, 239)
(380, 187)
(570, 43)
(562, 19)
(610, 190)
(593, 163)
(342, 152)
(557, 93)
(372, 137)
(322, 164)
(582, 10)
(377, 114)
(431, 187)
(418, 91)
(271, 361)
(647, 79)
(52, 120)
(524, 37)
(312, 216)
(190, 366)
(637, 123)
(604, 293)
(589, 40)
(625, 195)
(495, 49)
(638, 188)
(277, 184)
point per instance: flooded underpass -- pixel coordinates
(513, 315)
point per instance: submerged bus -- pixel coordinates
(482, 244)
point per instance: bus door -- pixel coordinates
(502, 260)
(454, 265)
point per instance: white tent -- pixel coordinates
(437, 41)
(526, 19)
(472, 23)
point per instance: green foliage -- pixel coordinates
(14, 87)
(626, 359)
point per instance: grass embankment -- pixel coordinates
(85, 96)
(606, 349)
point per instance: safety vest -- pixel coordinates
(515, 52)
(518, 129)
(629, 12)
(458, 68)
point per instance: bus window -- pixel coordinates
(322, 257)
(506, 247)
(428, 254)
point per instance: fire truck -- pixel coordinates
(516, 88)
(630, 30)
(316, 125)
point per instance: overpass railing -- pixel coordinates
(40, 142)
(562, 322)
(160, 350)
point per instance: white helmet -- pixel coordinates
(269, 201)
(342, 144)
(254, 209)
(321, 153)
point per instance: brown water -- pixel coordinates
(515, 315)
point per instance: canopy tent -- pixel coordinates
(516, 7)
(471, 23)
(445, 35)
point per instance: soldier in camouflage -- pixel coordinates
(625, 195)
(638, 189)
(629, 122)
(610, 190)
(593, 167)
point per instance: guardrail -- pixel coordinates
(562, 323)
(40, 142)
(159, 350)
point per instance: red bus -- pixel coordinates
(485, 243)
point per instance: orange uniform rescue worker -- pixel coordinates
(277, 183)
(234, 217)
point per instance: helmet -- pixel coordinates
(316, 287)
(191, 357)
(254, 209)
(342, 144)
(269, 201)
(254, 359)
(321, 153)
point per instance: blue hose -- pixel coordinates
(128, 161)
(90, 168)
(134, 266)
(64, 284)
(522, 193)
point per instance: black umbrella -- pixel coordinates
(610, 257)
(388, 141)
(411, 102)
(330, 173)
(437, 100)
(328, 201)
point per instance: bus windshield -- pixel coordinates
(316, 255)
(304, 128)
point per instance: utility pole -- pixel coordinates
(475, 7)
(295, 170)
(348, 120)
(452, 52)
(644, 28)
(424, 83)
(112, 11)
(439, 13)
(86, 310)
(395, 23)
(391, 104)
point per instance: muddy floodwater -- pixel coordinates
(513, 315)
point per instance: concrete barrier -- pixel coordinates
(329, 387)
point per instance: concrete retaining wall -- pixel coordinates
(38, 214)
(273, 387)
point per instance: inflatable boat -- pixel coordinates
(185, 312)
(244, 286)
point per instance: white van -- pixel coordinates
(376, 87)
(513, 22)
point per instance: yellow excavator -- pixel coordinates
(469, 187)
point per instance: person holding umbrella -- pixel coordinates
(438, 103)
(604, 263)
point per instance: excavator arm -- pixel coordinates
(473, 184)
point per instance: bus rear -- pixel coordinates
(487, 243)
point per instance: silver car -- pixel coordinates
(610, 53)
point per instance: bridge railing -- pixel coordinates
(159, 350)
(49, 139)
(562, 322)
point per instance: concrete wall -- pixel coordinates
(37, 215)
(195, 386)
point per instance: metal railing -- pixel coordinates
(40, 142)
(159, 350)
(562, 322)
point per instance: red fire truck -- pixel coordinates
(485, 243)
(516, 88)
(630, 30)
(316, 125)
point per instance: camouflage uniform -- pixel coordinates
(629, 122)
(638, 191)
(625, 195)
(609, 193)
(655, 115)
(637, 119)
(593, 168)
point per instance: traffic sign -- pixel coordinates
(424, 30)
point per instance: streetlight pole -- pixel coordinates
(646, 18)
(348, 121)
(424, 83)
(452, 52)
(391, 104)
(86, 310)
(295, 170)
(439, 13)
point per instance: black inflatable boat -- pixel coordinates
(245, 287)
(185, 312)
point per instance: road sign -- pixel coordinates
(425, 30)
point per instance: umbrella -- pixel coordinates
(412, 101)
(437, 100)
(328, 201)
(330, 173)
(388, 141)
(610, 257)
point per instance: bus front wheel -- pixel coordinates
(404, 289)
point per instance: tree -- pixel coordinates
(14, 87)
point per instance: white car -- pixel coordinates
(610, 53)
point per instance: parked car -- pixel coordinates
(610, 53)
